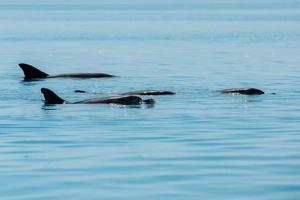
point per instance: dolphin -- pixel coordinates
(150, 92)
(52, 98)
(31, 72)
(139, 92)
(244, 91)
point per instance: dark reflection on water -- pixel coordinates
(31, 81)
(49, 107)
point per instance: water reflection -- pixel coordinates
(49, 107)
(31, 82)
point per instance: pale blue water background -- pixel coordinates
(195, 145)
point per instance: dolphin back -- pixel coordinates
(31, 72)
(244, 91)
(122, 100)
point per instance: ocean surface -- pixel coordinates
(198, 144)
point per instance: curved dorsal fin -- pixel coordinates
(31, 72)
(51, 97)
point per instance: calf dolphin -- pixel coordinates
(244, 91)
(139, 92)
(52, 98)
(31, 72)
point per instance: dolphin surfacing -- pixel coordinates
(244, 91)
(139, 92)
(31, 72)
(150, 92)
(52, 98)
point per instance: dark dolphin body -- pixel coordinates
(31, 72)
(150, 92)
(139, 92)
(52, 98)
(244, 91)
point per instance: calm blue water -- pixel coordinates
(195, 145)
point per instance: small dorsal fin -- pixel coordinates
(31, 72)
(51, 97)
(80, 91)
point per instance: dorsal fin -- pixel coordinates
(51, 97)
(31, 72)
(80, 91)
